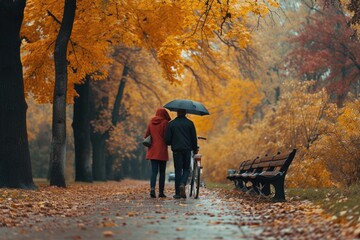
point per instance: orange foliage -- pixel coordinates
(298, 121)
(339, 150)
(87, 52)
(167, 29)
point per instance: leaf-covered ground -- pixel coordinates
(124, 210)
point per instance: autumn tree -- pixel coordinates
(58, 144)
(270, 47)
(15, 165)
(46, 19)
(351, 6)
(340, 150)
(134, 87)
(325, 51)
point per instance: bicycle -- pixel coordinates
(193, 184)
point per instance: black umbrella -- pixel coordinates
(190, 106)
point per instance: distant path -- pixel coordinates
(123, 210)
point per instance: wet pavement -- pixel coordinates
(129, 213)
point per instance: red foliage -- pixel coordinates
(326, 51)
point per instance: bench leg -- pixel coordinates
(239, 184)
(279, 190)
(245, 188)
(266, 189)
(248, 188)
(256, 187)
(262, 188)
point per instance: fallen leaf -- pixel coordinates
(108, 233)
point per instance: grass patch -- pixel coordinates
(213, 185)
(342, 203)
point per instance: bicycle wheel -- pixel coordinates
(190, 185)
(196, 181)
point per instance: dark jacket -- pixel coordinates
(156, 127)
(181, 135)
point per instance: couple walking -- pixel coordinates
(180, 134)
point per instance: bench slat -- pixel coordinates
(277, 163)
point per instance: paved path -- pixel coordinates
(127, 212)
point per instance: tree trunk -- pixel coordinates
(110, 159)
(15, 164)
(58, 145)
(97, 139)
(114, 120)
(124, 170)
(99, 150)
(135, 168)
(81, 128)
(142, 166)
(102, 162)
(139, 168)
(119, 96)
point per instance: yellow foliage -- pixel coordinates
(166, 28)
(88, 49)
(309, 173)
(349, 119)
(170, 29)
(40, 115)
(300, 119)
(339, 150)
(123, 139)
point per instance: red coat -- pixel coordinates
(156, 127)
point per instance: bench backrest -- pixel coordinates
(242, 165)
(288, 161)
(264, 162)
(279, 162)
(247, 165)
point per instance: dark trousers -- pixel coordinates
(182, 168)
(156, 166)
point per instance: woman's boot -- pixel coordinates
(161, 194)
(152, 193)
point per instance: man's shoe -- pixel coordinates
(177, 196)
(162, 195)
(152, 194)
(182, 191)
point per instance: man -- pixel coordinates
(181, 135)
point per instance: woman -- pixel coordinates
(157, 153)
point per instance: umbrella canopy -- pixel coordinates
(189, 106)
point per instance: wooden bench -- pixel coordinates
(262, 172)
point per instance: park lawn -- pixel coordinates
(343, 204)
